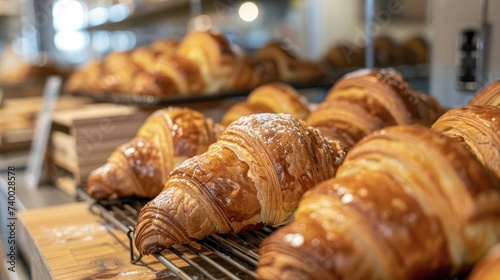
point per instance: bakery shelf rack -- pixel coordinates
(411, 73)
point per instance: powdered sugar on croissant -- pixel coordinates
(254, 175)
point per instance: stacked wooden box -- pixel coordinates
(18, 118)
(82, 140)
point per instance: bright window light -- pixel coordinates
(71, 40)
(248, 11)
(123, 40)
(98, 15)
(118, 12)
(68, 15)
(101, 41)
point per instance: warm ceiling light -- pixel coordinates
(248, 11)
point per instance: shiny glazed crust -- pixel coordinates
(345, 116)
(488, 95)
(384, 94)
(214, 56)
(252, 176)
(270, 98)
(287, 66)
(489, 266)
(407, 203)
(141, 166)
(478, 127)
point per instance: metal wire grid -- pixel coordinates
(219, 256)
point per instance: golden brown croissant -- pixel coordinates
(114, 74)
(242, 109)
(384, 94)
(367, 100)
(130, 72)
(488, 95)
(344, 56)
(141, 166)
(252, 176)
(118, 72)
(336, 134)
(479, 128)
(166, 46)
(415, 50)
(148, 71)
(213, 54)
(270, 98)
(247, 74)
(489, 266)
(387, 52)
(170, 74)
(407, 203)
(145, 56)
(85, 79)
(347, 117)
(288, 67)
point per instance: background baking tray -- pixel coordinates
(409, 72)
(144, 100)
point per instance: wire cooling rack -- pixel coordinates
(219, 256)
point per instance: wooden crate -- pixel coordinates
(82, 139)
(18, 119)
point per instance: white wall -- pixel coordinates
(447, 17)
(328, 22)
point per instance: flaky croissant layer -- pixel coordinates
(407, 203)
(487, 95)
(141, 166)
(478, 128)
(254, 175)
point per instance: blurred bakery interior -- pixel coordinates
(81, 78)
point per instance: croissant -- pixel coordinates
(118, 72)
(347, 117)
(144, 57)
(166, 46)
(252, 176)
(407, 203)
(415, 50)
(247, 74)
(488, 95)
(286, 65)
(129, 72)
(344, 56)
(213, 54)
(336, 134)
(478, 127)
(141, 166)
(242, 109)
(85, 79)
(384, 94)
(168, 75)
(489, 266)
(270, 98)
(387, 51)
(147, 70)
(367, 100)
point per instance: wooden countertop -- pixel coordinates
(70, 242)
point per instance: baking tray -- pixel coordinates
(145, 100)
(409, 72)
